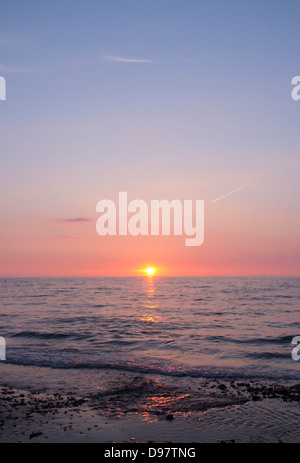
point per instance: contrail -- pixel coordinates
(230, 193)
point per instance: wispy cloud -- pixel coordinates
(122, 59)
(19, 70)
(74, 220)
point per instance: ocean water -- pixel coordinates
(202, 349)
(180, 327)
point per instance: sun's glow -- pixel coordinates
(150, 271)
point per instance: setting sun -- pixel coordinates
(150, 271)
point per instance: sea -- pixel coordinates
(149, 337)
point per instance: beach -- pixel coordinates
(147, 409)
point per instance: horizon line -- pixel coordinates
(153, 276)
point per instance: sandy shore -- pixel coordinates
(268, 415)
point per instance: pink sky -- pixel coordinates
(241, 238)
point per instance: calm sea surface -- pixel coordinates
(192, 327)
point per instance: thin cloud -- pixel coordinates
(19, 70)
(75, 220)
(121, 59)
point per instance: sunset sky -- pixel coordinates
(168, 99)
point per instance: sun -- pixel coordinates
(150, 271)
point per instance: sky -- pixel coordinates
(168, 99)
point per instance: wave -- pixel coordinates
(68, 359)
(286, 339)
(41, 335)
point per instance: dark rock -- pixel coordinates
(35, 434)
(223, 387)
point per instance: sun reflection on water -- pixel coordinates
(151, 316)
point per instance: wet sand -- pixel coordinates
(260, 413)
